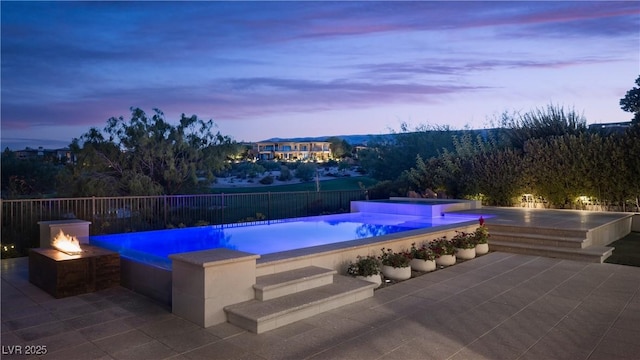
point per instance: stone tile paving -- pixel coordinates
(497, 306)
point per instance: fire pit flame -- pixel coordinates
(67, 244)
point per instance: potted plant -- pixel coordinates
(465, 245)
(422, 258)
(445, 251)
(366, 268)
(481, 235)
(395, 265)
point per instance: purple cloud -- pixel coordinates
(457, 67)
(79, 63)
(230, 99)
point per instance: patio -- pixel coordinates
(497, 306)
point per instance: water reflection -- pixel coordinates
(370, 230)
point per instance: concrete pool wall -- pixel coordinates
(415, 206)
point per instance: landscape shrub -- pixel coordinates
(247, 170)
(386, 189)
(285, 174)
(329, 164)
(267, 180)
(306, 171)
(269, 165)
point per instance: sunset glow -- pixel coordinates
(293, 69)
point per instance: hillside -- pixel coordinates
(365, 139)
(350, 139)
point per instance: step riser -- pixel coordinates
(273, 286)
(290, 296)
(551, 253)
(524, 239)
(259, 326)
(555, 233)
(276, 292)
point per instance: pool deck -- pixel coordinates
(497, 306)
(547, 218)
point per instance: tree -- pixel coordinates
(421, 177)
(458, 170)
(306, 171)
(559, 167)
(500, 175)
(540, 123)
(630, 147)
(148, 156)
(388, 156)
(285, 174)
(27, 177)
(631, 102)
(455, 172)
(339, 147)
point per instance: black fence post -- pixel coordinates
(222, 207)
(164, 206)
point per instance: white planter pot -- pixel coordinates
(396, 273)
(446, 260)
(376, 279)
(482, 249)
(423, 265)
(466, 254)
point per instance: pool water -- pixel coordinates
(266, 237)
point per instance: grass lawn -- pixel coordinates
(627, 250)
(345, 183)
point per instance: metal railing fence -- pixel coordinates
(110, 215)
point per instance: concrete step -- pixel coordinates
(260, 316)
(541, 239)
(596, 254)
(551, 232)
(288, 282)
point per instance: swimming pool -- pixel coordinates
(267, 237)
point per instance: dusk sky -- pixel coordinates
(295, 69)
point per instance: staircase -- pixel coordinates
(556, 243)
(290, 296)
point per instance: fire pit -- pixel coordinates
(67, 244)
(67, 269)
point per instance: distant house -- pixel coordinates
(610, 127)
(292, 150)
(63, 154)
(357, 149)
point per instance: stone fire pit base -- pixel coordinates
(63, 275)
